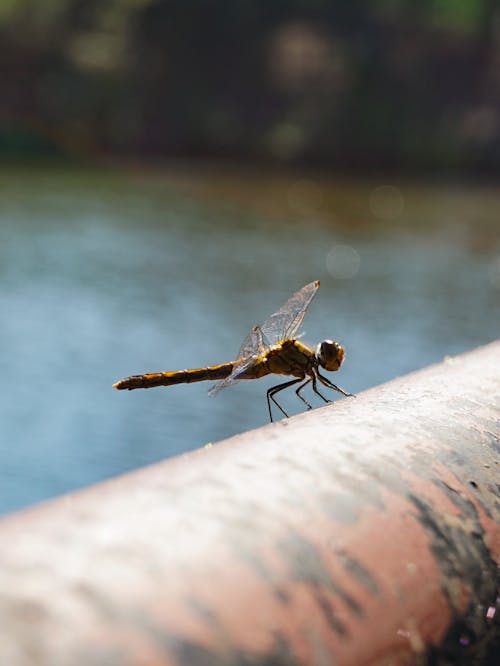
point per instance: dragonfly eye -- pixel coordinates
(330, 355)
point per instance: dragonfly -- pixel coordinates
(272, 348)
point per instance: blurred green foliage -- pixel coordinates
(411, 84)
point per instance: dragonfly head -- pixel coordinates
(330, 355)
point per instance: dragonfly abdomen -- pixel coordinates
(153, 379)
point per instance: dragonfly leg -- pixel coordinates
(326, 382)
(276, 389)
(316, 390)
(298, 392)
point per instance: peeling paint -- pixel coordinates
(363, 534)
(359, 572)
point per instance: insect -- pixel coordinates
(273, 348)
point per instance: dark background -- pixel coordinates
(406, 85)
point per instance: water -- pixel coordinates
(106, 275)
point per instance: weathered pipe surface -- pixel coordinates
(366, 532)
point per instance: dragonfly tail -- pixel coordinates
(151, 380)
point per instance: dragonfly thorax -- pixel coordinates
(330, 355)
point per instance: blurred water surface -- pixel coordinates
(107, 274)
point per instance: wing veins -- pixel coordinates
(281, 325)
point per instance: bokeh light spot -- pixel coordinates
(286, 141)
(494, 272)
(343, 262)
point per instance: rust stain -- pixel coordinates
(307, 549)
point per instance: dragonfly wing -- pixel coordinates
(252, 346)
(285, 323)
(281, 325)
(238, 369)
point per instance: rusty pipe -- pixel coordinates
(365, 532)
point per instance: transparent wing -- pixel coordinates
(252, 346)
(281, 325)
(285, 323)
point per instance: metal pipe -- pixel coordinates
(366, 532)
